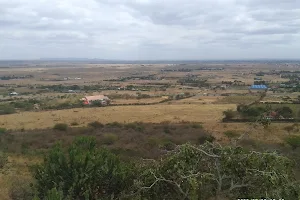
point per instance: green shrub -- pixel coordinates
(61, 127)
(196, 125)
(96, 124)
(3, 159)
(285, 111)
(109, 138)
(293, 141)
(194, 172)
(231, 134)
(6, 109)
(2, 130)
(83, 172)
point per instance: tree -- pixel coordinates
(83, 172)
(229, 114)
(211, 171)
(285, 111)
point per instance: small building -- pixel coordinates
(258, 87)
(89, 100)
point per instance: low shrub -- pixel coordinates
(205, 138)
(168, 145)
(3, 130)
(3, 159)
(167, 130)
(137, 126)
(152, 142)
(96, 124)
(231, 134)
(61, 127)
(196, 125)
(293, 141)
(7, 109)
(115, 125)
(74, 124)
(109, 138)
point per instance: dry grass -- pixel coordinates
(17, 168)
(153, 113)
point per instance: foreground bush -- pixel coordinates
(214, 172)
(202, 172)
(83, 172)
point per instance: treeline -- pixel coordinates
(67, 88)
(16, 77)
(208, 171)
(251, 113)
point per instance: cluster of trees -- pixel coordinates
(193, 82)
(253, 112)
(15, 77)
(209, 171)
(28, 105)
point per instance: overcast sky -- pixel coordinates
(150, 29)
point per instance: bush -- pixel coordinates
(96, 124)
(229, 114)
(169, 146)
(285, 111)
(231, 134)
(195, 172)
(137, 126)
(205, 138)
(293, 141)
(253, 111)
(2, 130)
(61, 127)
(7, 109)
(109, 138)
(115, 124)
(21, 189)
(83, 172)
(3, 159)
(74, 124)
(196, 125)
(167, 130)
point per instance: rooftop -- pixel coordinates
(259, 87)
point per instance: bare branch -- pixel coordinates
(202, 151)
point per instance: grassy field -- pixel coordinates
(153, 113)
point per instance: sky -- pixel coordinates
(150, 29)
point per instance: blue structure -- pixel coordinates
(258, 87)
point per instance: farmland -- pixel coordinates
(152, 109)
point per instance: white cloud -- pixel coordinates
(150, 29)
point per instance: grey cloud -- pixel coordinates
(149, 29)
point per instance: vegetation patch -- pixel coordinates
(293, 141)
(109, 138)
(96, 124)
(61, 127)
